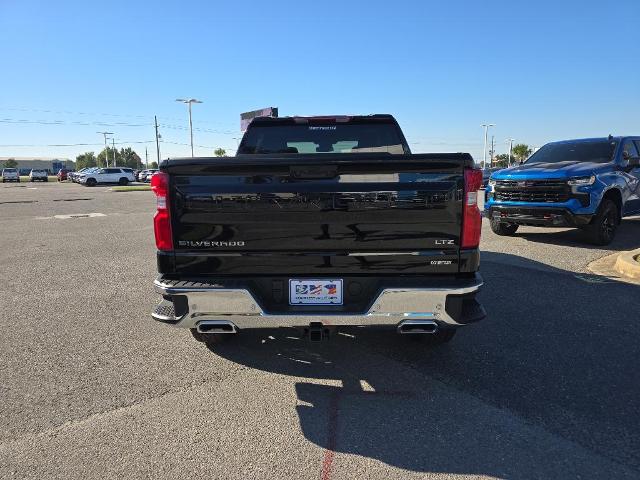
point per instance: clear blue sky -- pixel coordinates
(541, 70)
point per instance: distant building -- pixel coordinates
(52, 165)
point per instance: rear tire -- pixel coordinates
(602, 229)
(503, 229)
(442, 336)
(123, 181)
(211, 339)
(433, 339)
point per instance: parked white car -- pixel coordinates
(106, 175)
(145, 176)
(10, 175)
(39, 175)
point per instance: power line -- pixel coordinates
(66, 112)
(20, 121)
(208, 130)
(75, 144)
(64, 122)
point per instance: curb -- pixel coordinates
(135, 188)
(627, 265)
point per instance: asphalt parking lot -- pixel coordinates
(548, 386)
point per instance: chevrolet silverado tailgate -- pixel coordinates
(303, 212)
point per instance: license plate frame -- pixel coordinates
(315, 291)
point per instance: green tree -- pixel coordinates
(154, 165)
(501, 160)
(86, 160)
(110, 152)
(10, 163)
(521, 151)
(129, 158)
(220, 152)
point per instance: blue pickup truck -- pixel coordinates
(588, 183)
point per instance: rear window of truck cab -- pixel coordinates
(323, 138)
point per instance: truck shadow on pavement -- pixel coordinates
(546, 387)
(627, 237)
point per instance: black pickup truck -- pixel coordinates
(319, 222)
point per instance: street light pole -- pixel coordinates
(113, 143)
(484, 152)
(106, 152)
(189, 102)
(510, 140)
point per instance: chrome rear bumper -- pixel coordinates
(392, 307)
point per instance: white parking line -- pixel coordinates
(73, 215)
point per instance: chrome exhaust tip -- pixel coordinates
(417, 326)
(216, 326)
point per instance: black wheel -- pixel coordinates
(439, 338)
(503, 229)
(602, 228)
(46, 179)
(211, 339)
(123, 181)
(91, 182)
(18, 180)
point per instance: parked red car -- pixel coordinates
(62, 175)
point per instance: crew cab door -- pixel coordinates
(631, 149)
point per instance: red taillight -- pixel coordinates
(162, 218)
(471, 216)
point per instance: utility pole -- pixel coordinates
(510, 140)
(106, 152)
(484, 154)
(189, 102)
(113, 142)
(493, 147)
(157, 141)
(146, 157)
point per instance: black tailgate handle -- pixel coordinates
(313, 171)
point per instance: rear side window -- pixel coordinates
(629, 149)
(637, 142)
(112, 170)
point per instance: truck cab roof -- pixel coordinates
(378, 117)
